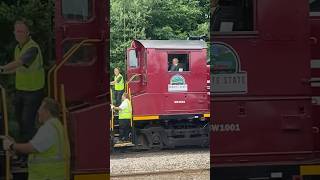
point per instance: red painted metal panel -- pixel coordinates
(86, 80)
(155, 92)
(91, 79)
(273, 120)
(315, 73)
(89, 139)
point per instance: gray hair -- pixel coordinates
(52, 106)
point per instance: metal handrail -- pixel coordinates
(71, 50)
(6, 130)
(112, 115)
(49, 79)
(65, 129)
(66, 57)
(132, 77)
(129, 93)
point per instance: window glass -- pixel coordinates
(77, 10)
(178, 62)
(314, 5)
(233, 15)
(133, 61)
(86, 54)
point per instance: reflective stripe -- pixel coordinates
(315, 64)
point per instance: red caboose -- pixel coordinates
(170, 108)
(265, 90)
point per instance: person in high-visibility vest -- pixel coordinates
(118, 86)
(125, 115)
(46, 148)
(29, 80)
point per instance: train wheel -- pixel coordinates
(142, 142)
(156, 141)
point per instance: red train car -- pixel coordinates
(170, 108)
(265, 90)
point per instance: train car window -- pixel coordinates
(77, 10)
(314, 5)
(85, 55)
(178, 62)
(233, 15)
(133, 60)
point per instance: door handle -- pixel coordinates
(313, 40)
(315, 130)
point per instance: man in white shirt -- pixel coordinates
(125, 115)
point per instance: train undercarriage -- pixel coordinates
(167, 132)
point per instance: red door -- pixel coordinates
(81, 31)
(82, 35)
(136, 70)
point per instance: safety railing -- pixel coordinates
(55, 69)
(128, 91)
(4, 110)
(130, 80)
(65, 129)
(112, 114)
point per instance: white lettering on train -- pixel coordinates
(225, 127)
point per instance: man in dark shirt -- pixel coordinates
(28, 68)
(175, 65)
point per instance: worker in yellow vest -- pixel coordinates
(46, 148)
(29, 80)
(125, 115)
(118, 86)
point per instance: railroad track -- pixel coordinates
(165, 164)
(202, 173)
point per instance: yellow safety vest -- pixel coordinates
(118, 86)
(33, 77)
(126, 113)
(49, 164)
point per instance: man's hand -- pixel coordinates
(7, 142)
(112, 106)
(1, 69)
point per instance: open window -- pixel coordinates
(77, 10)
(314, 6)
(233, 15)
(178, 62)
(132, 58)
